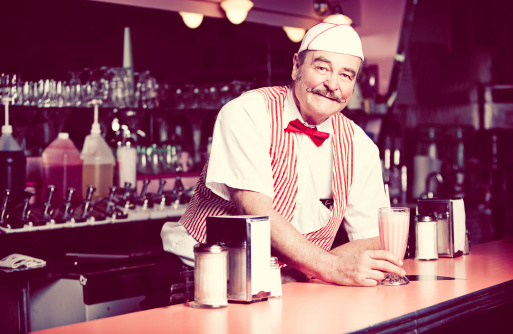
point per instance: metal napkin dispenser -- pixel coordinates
(451, 226)
(249, 254)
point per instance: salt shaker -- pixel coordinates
(426, 237)
(276, 290)
(210, 276)
(237, 271)
(443, 234)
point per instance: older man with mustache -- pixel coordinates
(284, 152)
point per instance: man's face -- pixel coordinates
(324, 84)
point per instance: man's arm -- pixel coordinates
(357, 263)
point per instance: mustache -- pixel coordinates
(326, 93)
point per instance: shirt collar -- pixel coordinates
(291, 112)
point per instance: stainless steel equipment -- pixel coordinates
(493, 107)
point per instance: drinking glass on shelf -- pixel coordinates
(393, 232)
(99, 85)
(147, 91)
(224, 94)
(5, 86)
(48, 93)
(15, 87)
(60, 94)
(74, 89)
(27, 93)
(118, 95)
(187, 96)
(39, 93)
(178, 98)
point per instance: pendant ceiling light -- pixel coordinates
(295, 34)
(330, 8)
(236, 10)
(192, 20)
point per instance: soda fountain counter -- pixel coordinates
(96, 267)
(471, 294)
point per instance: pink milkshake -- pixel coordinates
(393, 232)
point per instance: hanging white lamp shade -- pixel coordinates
(295, 34)
(236, 10)
(192, 20)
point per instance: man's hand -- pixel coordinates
(361, 263)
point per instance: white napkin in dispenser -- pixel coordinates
(249, 254)
(453, 236)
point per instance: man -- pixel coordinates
(266, 159)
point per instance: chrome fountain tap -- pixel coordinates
(431, 176)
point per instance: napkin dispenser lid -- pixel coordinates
(231, 229)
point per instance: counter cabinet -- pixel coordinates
(92, 271)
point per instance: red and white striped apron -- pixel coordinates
(283, 160)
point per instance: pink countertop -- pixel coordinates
(317, 307)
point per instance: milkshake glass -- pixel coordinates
(393, 232)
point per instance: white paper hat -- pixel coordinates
(336, 35)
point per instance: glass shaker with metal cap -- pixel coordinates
(276, 290)
(426, 237)
(210, 275)
(443, 233)
(237, 271)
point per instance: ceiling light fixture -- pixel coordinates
(329, 17)
(295, 34)
(321, 7)
(236, 10)
(330, 8)
(192, 20)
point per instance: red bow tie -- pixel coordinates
(318, 137)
